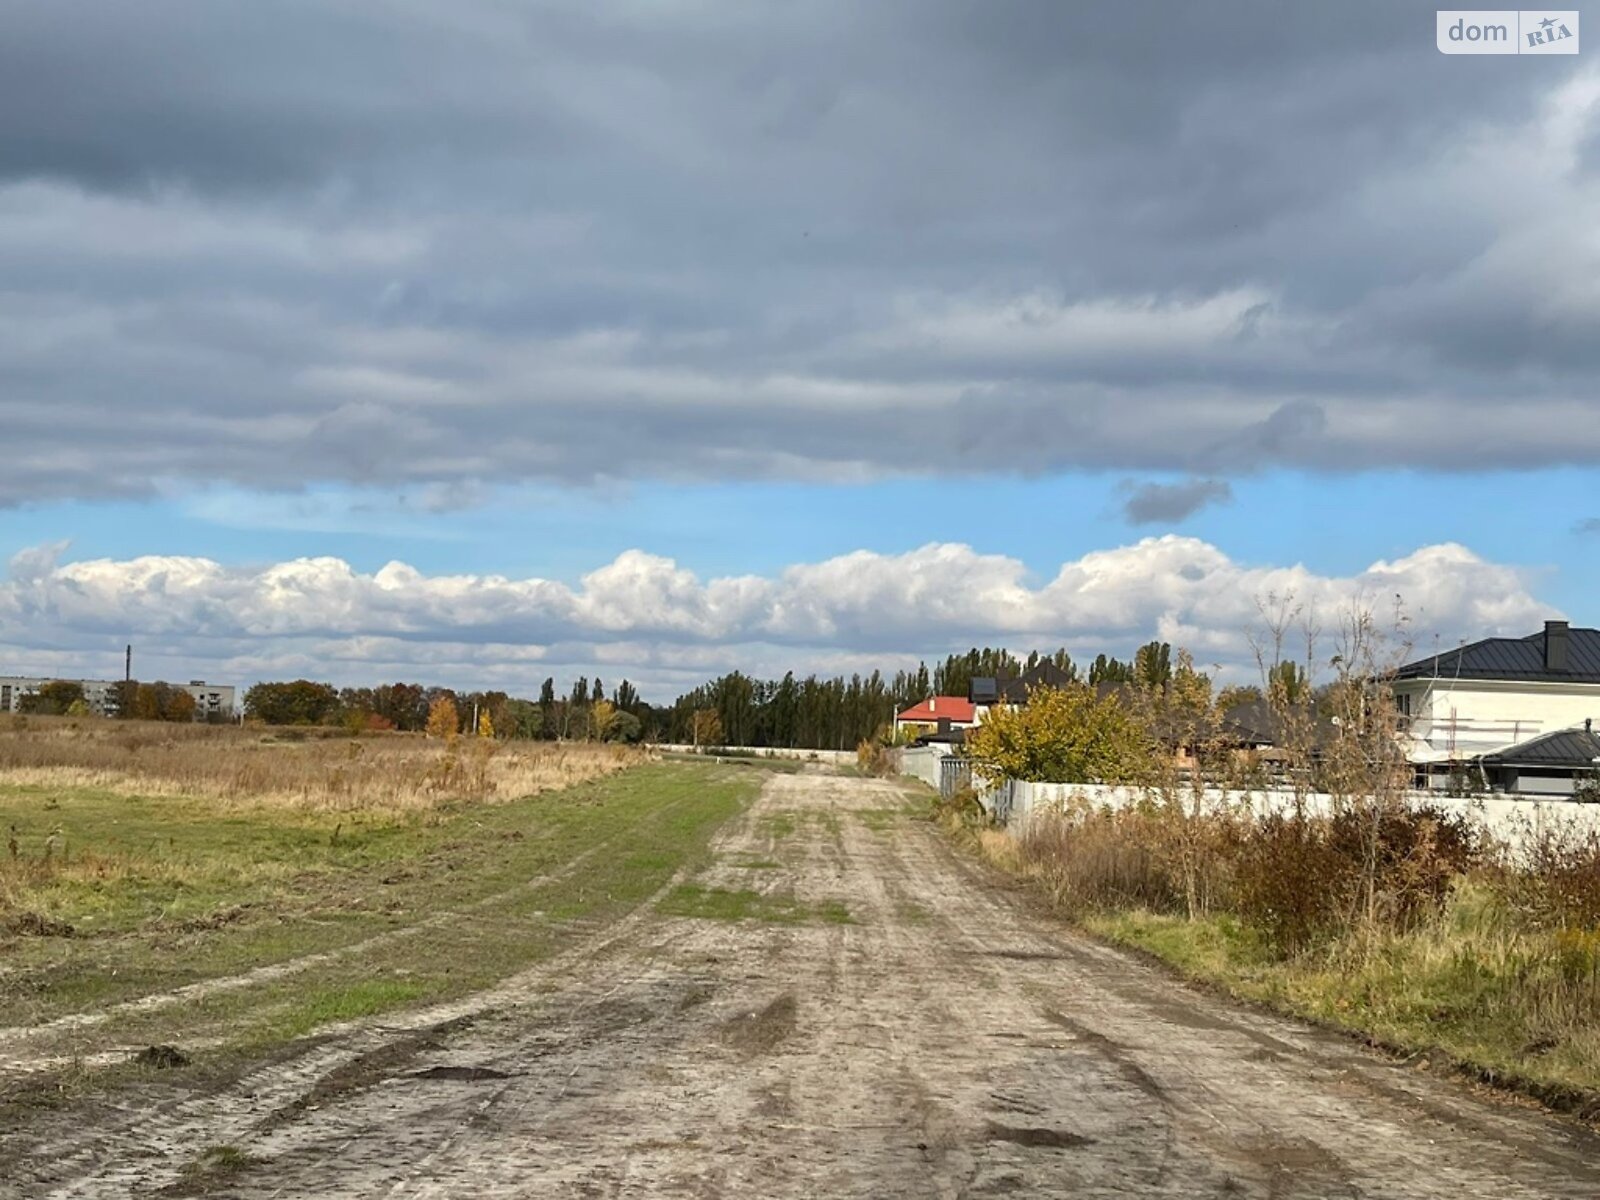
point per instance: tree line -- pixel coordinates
(585, 712)
(840, 713)
(810, 712)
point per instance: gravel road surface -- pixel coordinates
(892, 1021)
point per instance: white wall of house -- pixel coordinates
(1461, 718)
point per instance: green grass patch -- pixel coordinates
(343, 1002)
(468, 895)
(910, 913)
(779, 825)
(213, 1168)
(833, 912)
(105, 863)
(881, 820)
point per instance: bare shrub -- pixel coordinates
(1297, 881)
(1194, 758)
(1097, 858)
(1300, 880)
(1415, 855)
(876, 759)
(960, 812)
(1555, 882)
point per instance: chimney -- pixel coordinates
(1555, 645)
(933, 704)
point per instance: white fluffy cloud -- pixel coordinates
(648, 618)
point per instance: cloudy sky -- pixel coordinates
(482, 340)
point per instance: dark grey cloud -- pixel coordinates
(1589, 526)
(444, 245)
(1168, 503)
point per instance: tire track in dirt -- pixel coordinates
(147, 1145)
(946, 1042)
(43, 1057)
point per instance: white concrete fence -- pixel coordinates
(832, 757)
(922, 762)
(1515, 822)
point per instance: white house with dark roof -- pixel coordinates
(1499, 700)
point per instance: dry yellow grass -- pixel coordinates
(1000, 848)
(291, 768)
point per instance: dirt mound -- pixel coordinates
(162, 1058)
(760, 1032)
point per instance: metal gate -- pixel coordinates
(954, 774)
(1000, 801)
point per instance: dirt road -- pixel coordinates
(883, 1021)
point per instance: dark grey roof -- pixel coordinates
(1564, 748)
(1512, 658)
(1046, 675)
(1252, 722)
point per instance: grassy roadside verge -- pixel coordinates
(1472, 988)
(417, 909)
(1424, 995)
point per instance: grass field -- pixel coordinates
(311, 768)
(275, 919)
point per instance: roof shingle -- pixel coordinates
(952, 708)
(1563, 748)
(1512, 659)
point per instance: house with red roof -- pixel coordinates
(935, 715)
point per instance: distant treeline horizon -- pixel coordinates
(735, 709)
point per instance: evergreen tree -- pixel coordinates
(1152, 665)
(1109, 670)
